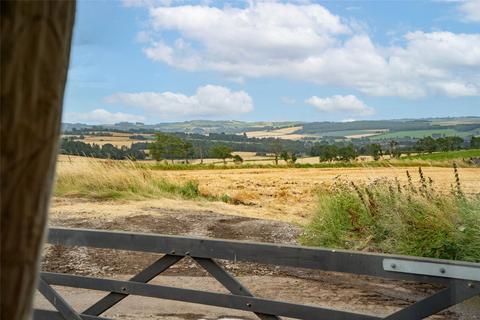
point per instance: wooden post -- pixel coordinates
(35, 51)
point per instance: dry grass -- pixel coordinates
(109, 179)
(286, 194)
(289, 193)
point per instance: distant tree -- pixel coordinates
(187, 149)
(237, 159)
(449, 143)
(288, 157)
(475, 142)
(393, 149)
(293, 157)
(221, 151)
(276, 149)
(324, 152)
(375, 150)
(166, 146)
(285, 156)
(426, 144)
(347, 153)
(199, 147)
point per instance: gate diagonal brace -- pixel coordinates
(143, 276)
(229, 282)
(67, 312)
(437, 302)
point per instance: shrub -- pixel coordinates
(385, 216)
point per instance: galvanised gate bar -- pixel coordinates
(460, 280)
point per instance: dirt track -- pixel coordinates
(335, 290)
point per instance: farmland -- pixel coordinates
(379, 129)
(277, 205)
(423, 133)
(117, 139)
(286, 194)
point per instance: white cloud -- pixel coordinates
(208, 101)
(101, 116)
(470, 10)
(307, 42)
(338, 103)
(456, 89)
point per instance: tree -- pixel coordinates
(329, 153)
(221, 151)
(35, 50)
(347, 153)
(166, 146)
(293, 157)
(427, 144)
(475, 142)
(285, 156)
(288, 157)
(187, 148)
(393, 149)
(375, 150)
(237, 159)
(276, 149)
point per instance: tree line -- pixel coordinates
(107, 151)
(170, 147)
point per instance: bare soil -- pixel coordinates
(334, 290)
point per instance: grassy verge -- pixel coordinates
(96, 179)
(384, 216)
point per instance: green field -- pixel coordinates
(424, 133)
(449, 155)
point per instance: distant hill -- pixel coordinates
(372, 129)
(193, 126)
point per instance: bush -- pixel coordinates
(385, 216)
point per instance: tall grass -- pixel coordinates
(385, 216)
(98, 179)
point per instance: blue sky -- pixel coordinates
(160, 61)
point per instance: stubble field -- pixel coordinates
(285, 194)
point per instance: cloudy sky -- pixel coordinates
(159, 60)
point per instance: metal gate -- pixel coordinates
(460, 280)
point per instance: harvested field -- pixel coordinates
(284, 133)
(117, 139)
(285, 194)
(288, 194)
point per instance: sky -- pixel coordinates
(157, 61)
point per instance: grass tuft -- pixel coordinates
(384, 216)
(104, 180)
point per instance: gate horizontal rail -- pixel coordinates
(461, 280)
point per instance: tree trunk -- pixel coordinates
(35, 50)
